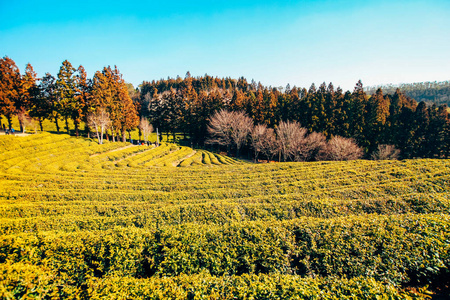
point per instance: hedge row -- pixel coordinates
(72, 214)
(21, 281)
(401, 249)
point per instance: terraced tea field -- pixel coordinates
(118, 221)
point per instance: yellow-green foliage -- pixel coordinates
(117, 221)
(47, 152)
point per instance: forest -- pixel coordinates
(430, 92)
(187, 106)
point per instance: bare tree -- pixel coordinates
(257, 136)
(146, 128)
(270, 145)
(100, 122)
(290, 135)
(386, 152)
(241, 127)
(229, 129)
(30, 122)
(340, 148)
(26, 121)
(310, 147)
(219, 128)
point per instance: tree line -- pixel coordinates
(430, 92)
(186, 106)
(289, 141)
(71, 95)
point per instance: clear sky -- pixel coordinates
(296, 42)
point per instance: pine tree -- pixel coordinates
(398, 100)
(41, 105)
(377, 116)
(67, 105)
(83, 100)
(422, 121)
(27, 91)
(358, 113)
(123, 112)
(437, 131)
(258, 107)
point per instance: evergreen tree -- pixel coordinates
(10, 88)
(377, 116)
(41, 105)
(437, 131)
(83, 100)
(358, 114)
(397, 102)
(422, 121)
(110, 91)
(66, 92)
(27, 91)
(258, 107)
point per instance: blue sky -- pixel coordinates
(296, 42)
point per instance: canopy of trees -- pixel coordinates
(71, 95)
(431, 92)
(187, 106)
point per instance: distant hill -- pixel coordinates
(430, 92)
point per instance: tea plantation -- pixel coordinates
(80, 220)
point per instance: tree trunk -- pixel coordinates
(67, 125)
(9, 122)
(21, 126)
(140, 133)
(124, 136)
(40, 124)
(112, 134)
(87, 130)
(57, 125)
(76, 128)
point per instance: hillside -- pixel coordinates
(430, 92)
(119, 221)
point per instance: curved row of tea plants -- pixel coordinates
(49, 152)
(119, 221)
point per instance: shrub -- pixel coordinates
(340, 148)
(386, 152)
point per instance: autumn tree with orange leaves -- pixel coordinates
(10, 82)
(110, 91)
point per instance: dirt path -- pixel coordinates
(134, 154)
(16, 133)
(114, 150)
(175, 163)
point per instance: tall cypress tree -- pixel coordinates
(41, 105)
(422, 122)
(83, 100)
(10, 83)
(66, 92)
(358, 115)
(377, 117)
